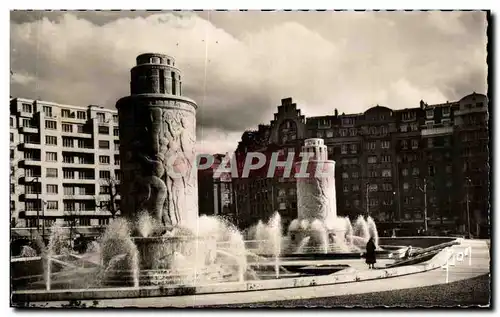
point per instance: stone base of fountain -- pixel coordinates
(174, 259)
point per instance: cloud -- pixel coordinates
(238, 66)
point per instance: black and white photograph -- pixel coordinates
(250, 158)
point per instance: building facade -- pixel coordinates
(398, 166)
(65, 164)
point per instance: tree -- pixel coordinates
(109, 187)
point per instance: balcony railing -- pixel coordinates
(437, 131)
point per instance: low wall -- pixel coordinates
(416, 242)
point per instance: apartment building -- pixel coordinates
(396, 165)
(64, 164)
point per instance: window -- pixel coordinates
(81, 115)
(406, 186)
(430, 142)
(343, 132)
(345, 175)
(103, 221)
(51, 156)
(12, 188)
(386, 144)
(343, 148)
(100, 117)
(414, 126)
(103, 159)
(353, 132)
(67, 127)
(448, 169)
(52, 189)
(373, 174)
(355, 175)
(67, 159)
(372, 159)
(104, 174)
(51, 172)
(47, 111)
(344, 161)
(103, 130)
(104, 189)
(386, 158)
(11, 154)
(11, 122)
(103, 144)
(386, 173)
(448, 184)
(354, 148)
(68, 142)
(373, 202)
(354, 160)
(447, 141)
(387, 187)
(446, 111)
(65, 113)
(50, 140)
(407, 116)
(115, 118)
(431, 170)
(404, 128)
(116, 132)
(383, 130)
(52, 205)
(27, 123)
(373, 131)
(26, 107)
(11, 137)
(414, 144)
(346, 188)
(117, 145)
(371, 146)
(329, 134)
(80, 128)
(68, 174)
(355, 187)
(356, 202)
(416, 171)
(429, 114)
(51, 125)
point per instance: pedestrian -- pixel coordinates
(370, 254)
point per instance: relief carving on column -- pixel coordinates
(160, 163)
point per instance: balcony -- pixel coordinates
(463, 111)
(30, 129)
(79, 165)
(30, 179)
(32, 196)
(437, 131)
(30, 145)
(77, 213)
(78, 197)
(32, 161)
(79, 149)
(79, 134)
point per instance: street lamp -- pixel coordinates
(468, 183)
(424, 190)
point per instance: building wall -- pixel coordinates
(63, 161)
(389, 154)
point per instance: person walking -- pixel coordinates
(370, 254)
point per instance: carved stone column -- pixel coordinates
(157, 147)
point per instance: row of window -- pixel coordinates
(66, 113)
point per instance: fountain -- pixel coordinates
(161, 241)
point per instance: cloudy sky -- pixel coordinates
(239, 65)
